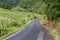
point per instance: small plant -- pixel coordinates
(14, 23)
(23, 21)
(5, 6)
(28, 15)
(3, 32)
(35, 17)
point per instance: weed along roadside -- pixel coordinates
(20, 29)
(52, 27)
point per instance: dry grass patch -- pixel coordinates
(51, 27)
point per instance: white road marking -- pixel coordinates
(40, 37)
(12, 35)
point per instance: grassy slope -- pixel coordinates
(20, 18)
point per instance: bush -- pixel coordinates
(15, 23)
(5, 5)
(3, 31)
(53, 11)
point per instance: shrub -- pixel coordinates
(53, 10)
(5, 5)
(15, 23)
(3, 31)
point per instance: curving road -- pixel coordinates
(34, 31)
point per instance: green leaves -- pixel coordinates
(3, 31)
(5, 5)
(53, 10)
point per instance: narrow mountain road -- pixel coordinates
(34, 31)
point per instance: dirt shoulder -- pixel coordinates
(51, 27)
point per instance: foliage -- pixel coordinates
(49, 7)
(11, 2)
(53, 10)
(5, 5)
(3, 32)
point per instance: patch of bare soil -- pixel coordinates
(50, 25)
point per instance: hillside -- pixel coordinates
(11, 2)
(35, 6)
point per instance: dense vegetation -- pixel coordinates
(49, 7)
(53, 10)
(5, 6)
(10, 2)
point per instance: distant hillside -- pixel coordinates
(11, 2)
(29, 5)
(35, 6)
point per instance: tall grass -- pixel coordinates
(11, 22)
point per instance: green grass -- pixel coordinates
(16, 29)
(13, 21)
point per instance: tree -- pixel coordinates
(53, 9)
(5, 5)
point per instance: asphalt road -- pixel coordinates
(34, 31)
